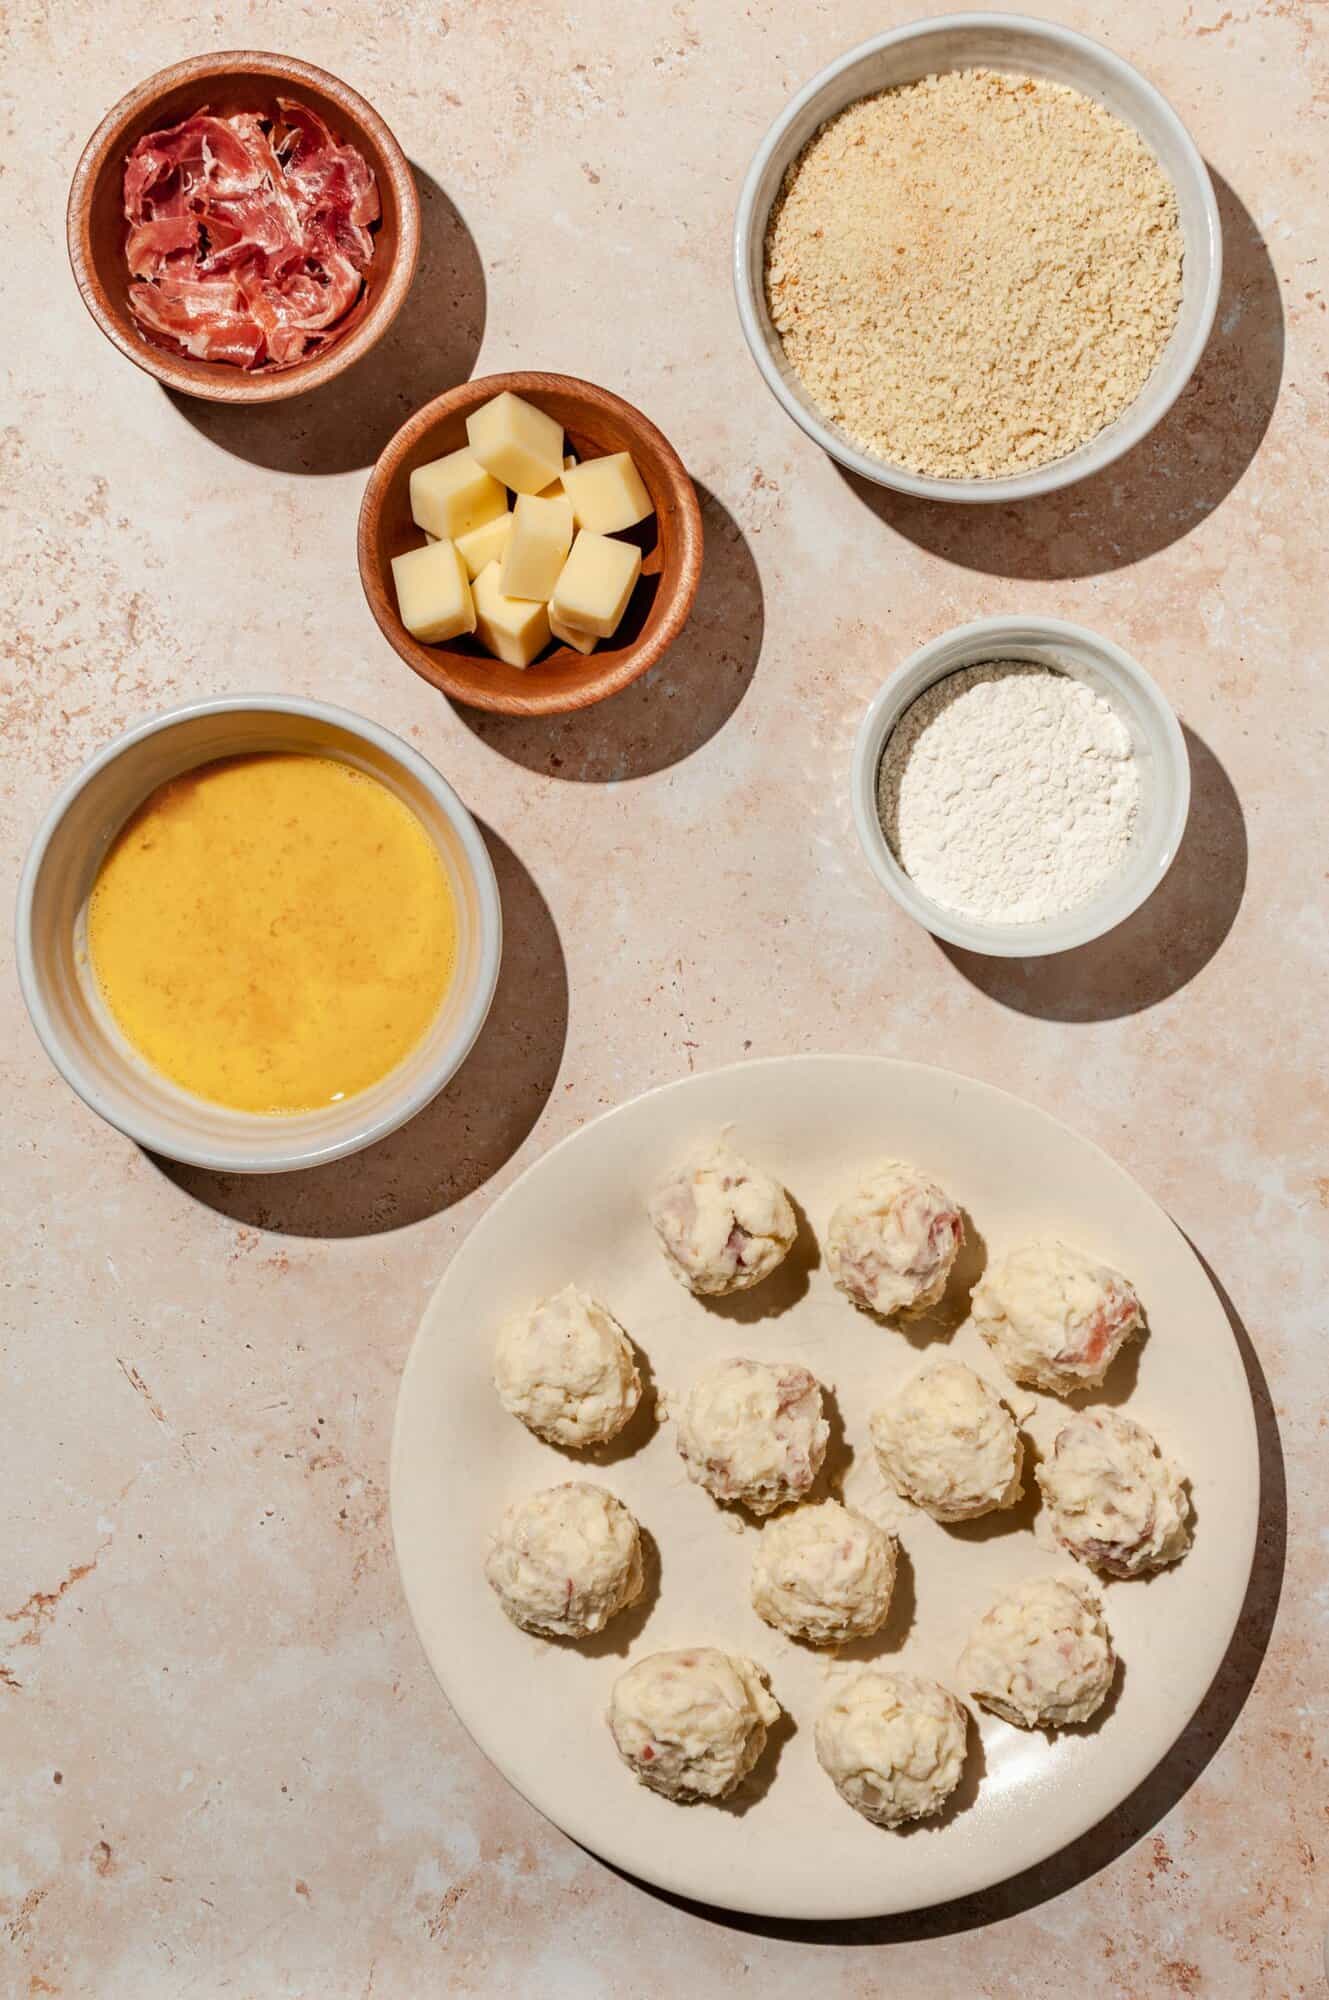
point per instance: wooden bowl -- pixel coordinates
(595, 422)
(237, 80)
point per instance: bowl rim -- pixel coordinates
(550, 700)
(234, 385)
(981, 637)
(449, 1060)
(1132, 425)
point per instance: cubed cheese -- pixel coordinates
(595, 584)
(607, 493)
(433, 593)
(516, 442)
(568, 635)
(513, 629)
(555, 486)
(537, 547)
(452, 495)
(484, 545)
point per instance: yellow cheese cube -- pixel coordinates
(452, 495)
(484, 545)
(537, 547)
(433, 593)
(555, 486)
(513, 629)
(516, 443)
(607, 493)
(568, 635)
(595, 584)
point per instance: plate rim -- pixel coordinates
(663, 1878)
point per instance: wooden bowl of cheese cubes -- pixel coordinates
(530, 543)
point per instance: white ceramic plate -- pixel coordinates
(789, 1847)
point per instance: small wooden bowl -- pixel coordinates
(594, 422)
(231, 81)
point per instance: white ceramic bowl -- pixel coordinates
(1016, 44)
(71, 1018)
(1160, 750)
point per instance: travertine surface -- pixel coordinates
(226, 1769)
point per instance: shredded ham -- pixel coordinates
(249, 237)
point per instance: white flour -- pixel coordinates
(1009, 792)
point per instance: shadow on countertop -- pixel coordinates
(1163, 946)
(1152, 1800)
(678, 704)
(457, 1143)
(1172, 479)
(431, 346)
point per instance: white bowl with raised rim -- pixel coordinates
(72, 1019)
(1018, 45)
(1160, 755)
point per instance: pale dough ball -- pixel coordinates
(1054, 1318)
(1113, 1500)
(723, 1225)
(893, 1745)
(824, 1574)
(1041, 1656)
(947, 1442)
(567, 1369)
(892, 1244)
(566, 1561)
(753, 1432)
(691, 1724)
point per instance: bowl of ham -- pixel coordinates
(243, 226)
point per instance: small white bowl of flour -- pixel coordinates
(1020, 786)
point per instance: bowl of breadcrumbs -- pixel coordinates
(978, 258)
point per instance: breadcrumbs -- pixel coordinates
(973, 274)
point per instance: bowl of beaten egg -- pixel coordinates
(258, 933)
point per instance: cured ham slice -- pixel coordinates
(203, 317)
(149, 244)
(249, 236)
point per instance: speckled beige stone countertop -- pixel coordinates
(226, 1768)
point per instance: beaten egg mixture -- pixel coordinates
(273, 932)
